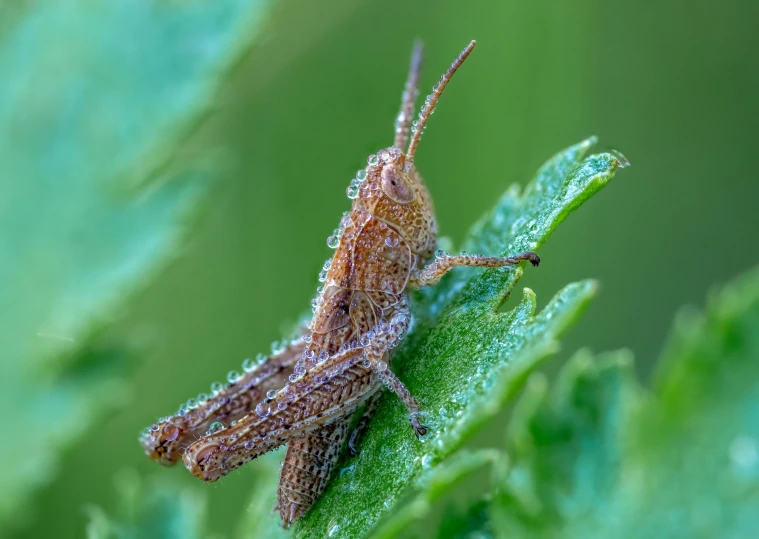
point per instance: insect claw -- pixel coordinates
(534, 259)
(419, 428)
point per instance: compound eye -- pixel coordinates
(396, 186)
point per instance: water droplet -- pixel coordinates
(384, 155)
(202, 398)
(233, 377)
(289, 391)
(213, 427)
(293, 377)
(345, 221)
(361, 175)
(352, 191)
(271, 393)
(381, 366)
(248, 365)
(277, 347)
(322, 276)
(366, 363)
(154, 427)
(372, 160)
(262, 409)
(248, 445)
(308, 338)
(282, 405)
(192, 404)
(334, 241)
(362, 217)
(439, 253)
(391, 241)
(365, 340)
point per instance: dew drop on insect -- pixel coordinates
(213, 427)
(361, 175)
(154, 427)
(352, 191)
(384, 155)
(248, 445)
(439, 253)
(202, 398)
(365, 340)
(307, 338)
(463, 253)
(262, 409)
(372, 160)
(192, 403)
(334, 241)
(216, 388)
(362, 217)
(322, 276)
(182, 409)
(327, 264)
(271, 393)
(366, 363)
(281, 406)
(233, 376)
(381, 366)
(345, 222)
(293, 377)
(323, 356)
(289, 391)
(248, 365)
(391, 241)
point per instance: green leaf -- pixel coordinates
(565, 445)
(441, 481)
(259, 519)
(94, 102)
(158, 510)
(464, 360)
(599, 458)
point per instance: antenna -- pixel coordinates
(410, 92)
(429, 104)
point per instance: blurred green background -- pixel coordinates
(673, 85)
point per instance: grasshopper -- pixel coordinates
(384, 245)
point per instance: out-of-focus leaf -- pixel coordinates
(94, 99)
(157, 510)
(463, 360)
(441, 480)
(565, 446)
(598, 458)
(259, 519)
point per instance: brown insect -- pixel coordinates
(384, 245)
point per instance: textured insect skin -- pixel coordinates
(386, 244)
(166, 440)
